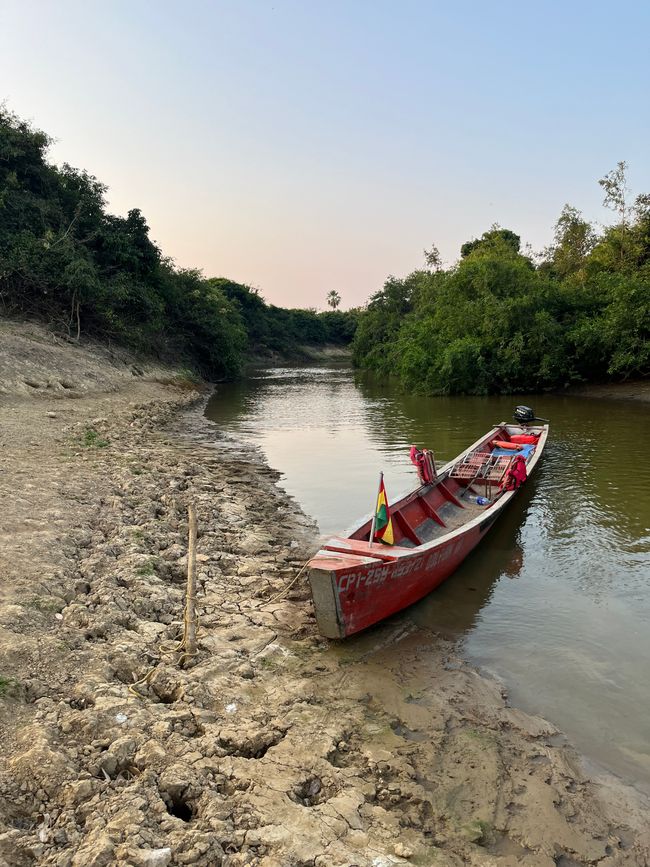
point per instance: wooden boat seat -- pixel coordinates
(481, 465)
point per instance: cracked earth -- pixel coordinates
(273, 746)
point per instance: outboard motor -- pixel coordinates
(524, 415)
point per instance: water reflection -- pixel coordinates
(557, 599)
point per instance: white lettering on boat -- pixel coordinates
(375, 576)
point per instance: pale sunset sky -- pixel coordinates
(300, 147)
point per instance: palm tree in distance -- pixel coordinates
(333, 299)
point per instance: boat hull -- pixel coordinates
(356, 584)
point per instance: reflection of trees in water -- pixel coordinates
(315, 396)
(596, 488)
(231, 401)
(596, 476)
(600, 470)
(446, 425)
(594, 493)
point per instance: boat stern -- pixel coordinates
(326, 569)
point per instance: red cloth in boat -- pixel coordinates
(419, 459)
(516, 474)
(504, 444)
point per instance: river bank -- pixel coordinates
(638, 389)
(273, 746)
(306, 354)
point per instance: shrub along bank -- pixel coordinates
(66, 260)
(500, 320)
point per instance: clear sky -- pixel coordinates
(307, 145)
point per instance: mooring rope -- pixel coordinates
(284, 591)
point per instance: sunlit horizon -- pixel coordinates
(300, 148)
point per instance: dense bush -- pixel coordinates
(286, 331)
(64, 259)
(497, 322)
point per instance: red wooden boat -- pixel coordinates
(355, 583)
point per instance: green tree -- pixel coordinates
(433, 258)
(495, 237)
(573, 240)
(616, 190)
(84, 271)
(333, 299)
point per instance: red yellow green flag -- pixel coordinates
(383, 523)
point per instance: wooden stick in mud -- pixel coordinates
(190, 600)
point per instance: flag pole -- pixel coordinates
(374, 511)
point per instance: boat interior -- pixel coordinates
(463, 489)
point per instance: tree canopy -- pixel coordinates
(66, 260)
(497, 322)
(495, 238)
(333, 299)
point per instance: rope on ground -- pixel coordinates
(166, 650)
(133, 687)
(284, 592)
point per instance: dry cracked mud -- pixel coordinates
(272, 746)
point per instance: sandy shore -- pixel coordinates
(636, 390)
(272, 746)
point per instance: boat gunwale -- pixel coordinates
(399, 552)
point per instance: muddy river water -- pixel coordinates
(556, 601)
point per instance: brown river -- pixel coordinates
(556, 601)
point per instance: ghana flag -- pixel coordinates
(383, 523)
